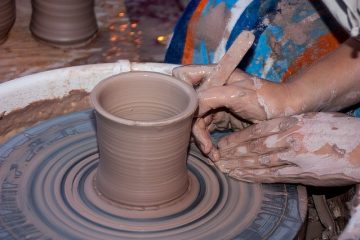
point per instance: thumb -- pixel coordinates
(192, 74)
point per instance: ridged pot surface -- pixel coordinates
(7, 18)
(65, 22)
(143, 129)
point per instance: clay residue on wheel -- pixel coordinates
(15, 121)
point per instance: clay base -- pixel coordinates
(163, 210)
(66, 45)
(47, 191)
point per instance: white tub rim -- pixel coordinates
(21, 92)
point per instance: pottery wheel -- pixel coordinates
(47, 192)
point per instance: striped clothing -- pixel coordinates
(347, 13)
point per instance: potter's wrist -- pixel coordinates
(278, 101)
(294, 100)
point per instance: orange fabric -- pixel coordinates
(320, 48)
(189, 41)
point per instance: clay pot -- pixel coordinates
(7, 18)
(64, 23)
(143, 129)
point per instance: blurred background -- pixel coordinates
(137, 30)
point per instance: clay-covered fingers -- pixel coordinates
(218, 121)
(193, 74)
(237, 123)
(257, 131)
(223, 120)
(202, 128)
(290, 173)
(203, 138)
(267, 175)
(256, 154)
(249, 163)
(259, 146)
(240, 97)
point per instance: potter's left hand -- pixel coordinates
(320, 149)
(247, 96)
(243, 97)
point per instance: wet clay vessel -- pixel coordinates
(7, 18)
(143, 129)
(66, 23)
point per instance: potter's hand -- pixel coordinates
(247, 96)
(244, 96)
(320, 149)
(220, 120)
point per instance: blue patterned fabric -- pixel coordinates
(289, 35)
(276, 48)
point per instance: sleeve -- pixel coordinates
(347, 13)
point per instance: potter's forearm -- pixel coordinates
(331, 84)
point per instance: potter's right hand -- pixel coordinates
(245, 96)
(320, 149)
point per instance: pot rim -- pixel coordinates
(187, 112)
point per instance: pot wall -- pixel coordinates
(7, 18)
(143, 130)
(65, 22)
